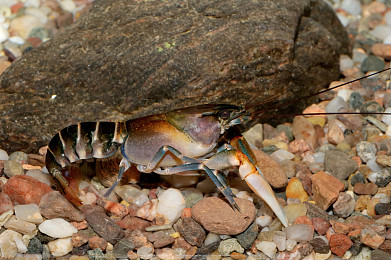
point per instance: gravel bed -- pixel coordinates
(331, 173)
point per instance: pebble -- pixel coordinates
(217, 216)
(171, 203)
(20, 226)
(339, 164)
(228, 246)
(344, 205)
(247, 238)
(3, 155)
(325, 189)
(40, 176)
(25, 189)
(12, 168)
(351, 6)
(339, 244)
(366, 150)
(279, 238)
(55, 205)
(295, 210)
(191, 231)
(295, 189)
(29, 213)
(365, 188)
(5, 203)
(370, 238)
(57, 228)
(268, 248)
(60, 247)
(8, 245)
(130, 193)
(299, 232)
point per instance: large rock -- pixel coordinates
(124, 59)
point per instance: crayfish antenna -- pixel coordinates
(123, 166)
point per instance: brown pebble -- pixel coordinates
(382, 50)
(339, 244)
(79, 239)
(217, 216)
(133, 223)
(238, 256)
(192, 232)
(325, 189)
(132, 255)
(162, 242)
(365, 188)
(371, 238)
(320, 225)
(97, 242)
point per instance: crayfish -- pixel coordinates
(175, 142)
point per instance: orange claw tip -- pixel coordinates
(72, 197)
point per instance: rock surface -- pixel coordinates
(168, 55)
(217, 216)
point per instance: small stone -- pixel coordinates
(357, 178)
(35, 246)
(295, 210)
(102, 224)
(320, 245)
(351, 6)
(254, 135)
(171, 203)
(344, 205)
(5, 203)
(40, 176)
(320, 225)
(325, 189)
(299, 232)
(122, 247)
(371, 238)
(25, 189)
(148, 210)
(383, 208)
(60, 247)
(29, 213)
(3, 155)
(365, 188)
(162, 242)
(228, 246)
(268, 248)
(113, 208)
(55, 205)
(366, 150)
(97, 242)
(279, 238)
(335, 133)
(193, 233)
(95, 254)
(8, 245)
(371, 207)
(13, 168)
(57, 228)
(130, 193)
(20, 226)
(192, 196)
(158, 227)
(217, 216)
(133, 223)
(339, 244)
(295, 190)
(145, 252)
(339, 164)
(79, 239)
(247, 238)
(380, 255)
(303, 129)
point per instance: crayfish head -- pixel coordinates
(232, 116)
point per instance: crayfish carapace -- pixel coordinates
(170, 143)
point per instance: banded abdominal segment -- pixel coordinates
(84, 141)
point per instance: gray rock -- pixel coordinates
(378, 254)
(228, 246)
(247, 238)
(344, 206)
(372, 63)
(366, 150)
(12, 168)
(168, 54)
(122, 247)
(339, 164)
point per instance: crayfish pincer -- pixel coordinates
(170, 143)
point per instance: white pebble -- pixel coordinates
(22, 248)
(254, 135)
(3, 155)
(32, 3)
(57, 228)
(171, 203)
(335, 105)
(268, 248)
(281, 155)
(345, 62)
(40, 176)
(343, 19)
(130, 193)
(68, 5)
(299, 232)
(345, 94)
(387, 118)
(387, 17)
(29, 213)
(8, 247)
(359, 56)
(319, 157)
(387, 40)
(280, 239)
(37, 13)
(3, 34)
(372, 164)
(60, 247)
(383, 198)
(211, 238)
(17, 40)
(351, 6)
(290, 244)
(263, 221)
(381, 31)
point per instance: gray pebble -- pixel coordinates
(13, 168)
(372, 63)
(339, 164)
(366, 150)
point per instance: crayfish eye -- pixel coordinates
(225, 114)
